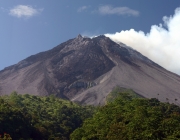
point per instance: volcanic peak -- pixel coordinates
(86, 70)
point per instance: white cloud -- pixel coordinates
(3, 9)
(161, 44)
(25, 11)
(80, 9)
(109, 10)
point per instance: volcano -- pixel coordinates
(86, 70)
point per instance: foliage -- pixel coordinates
(115, 93)
(33, 117)
(128, 118)
(5, 137)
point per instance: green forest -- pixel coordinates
(26, 117)
(125, 116)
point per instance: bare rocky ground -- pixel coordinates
(86, 70)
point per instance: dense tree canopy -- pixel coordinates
(129, 118)
(126, 116)
(32, 117)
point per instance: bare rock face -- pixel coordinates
(86, 70)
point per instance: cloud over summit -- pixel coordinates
(161, 44)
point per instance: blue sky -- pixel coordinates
(30, 26)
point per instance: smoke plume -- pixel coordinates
(161, 44)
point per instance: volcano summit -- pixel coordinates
(87, 69)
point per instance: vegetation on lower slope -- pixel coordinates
(115, 93)
(33, 117)
(128, 118)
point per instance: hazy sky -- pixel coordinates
(31, 26)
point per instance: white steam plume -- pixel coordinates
(161, 44)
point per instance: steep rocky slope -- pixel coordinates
(86, 70)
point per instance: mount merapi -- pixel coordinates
(86, 70)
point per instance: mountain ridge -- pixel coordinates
(85, 70)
